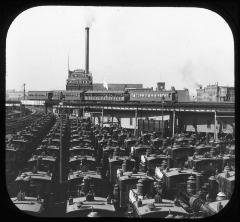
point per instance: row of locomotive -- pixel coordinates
(115, 96)
(32, 185)
(97, 156)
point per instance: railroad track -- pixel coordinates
(19, 123)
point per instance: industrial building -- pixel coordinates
(115, 86)
(80, 79)
(216, 93)
(14, 95)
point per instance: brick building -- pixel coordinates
(215, 93)
(79, 80)
(115, 86)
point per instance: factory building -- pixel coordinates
(115, 86)
(160, 86)
(80, 79)
(215, 93)
(14, 95)
(230, 94)
(183, 95)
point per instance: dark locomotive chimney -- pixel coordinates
(87, 50)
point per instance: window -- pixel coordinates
(131, 121)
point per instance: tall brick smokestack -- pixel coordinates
(87, 50)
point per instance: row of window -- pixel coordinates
(79, 82)
(84, 82)
(145, 95)
(103, 98)
(37, 95)
(99, 94)
(72, 94)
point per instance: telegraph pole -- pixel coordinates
(60, 151)
(102, 116)
(173, 127)
(136, 122)
(162, 118)
(215, 126)
(24, 91)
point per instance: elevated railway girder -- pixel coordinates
(184, 112)
(153, 108)
(180, 114)
(222, 108)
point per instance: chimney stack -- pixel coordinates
(87, 50)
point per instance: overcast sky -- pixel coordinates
(180, 46)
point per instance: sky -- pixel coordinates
(184, 47)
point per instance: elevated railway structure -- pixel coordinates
(180, 113)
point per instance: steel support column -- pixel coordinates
(102, 116)
(173, 122)
(136, 123)
(162, 118)
(215, 126)
(60, 150)
(45, 108)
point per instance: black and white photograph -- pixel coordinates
(120, 112)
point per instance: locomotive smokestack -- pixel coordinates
(87, 50)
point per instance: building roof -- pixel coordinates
(115, 86)
(103, 91)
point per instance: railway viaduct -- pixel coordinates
(181, 114)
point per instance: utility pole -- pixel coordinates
(162, 118)
(24, 91)
(60, 151)
(136, 122)
(173, 127)
(102, 115)
(215, 126)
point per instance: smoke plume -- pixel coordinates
(187, 73)
(198, 85)
(89, 18)
(105, 85)
(188, 77)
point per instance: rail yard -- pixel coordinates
(61, 165)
